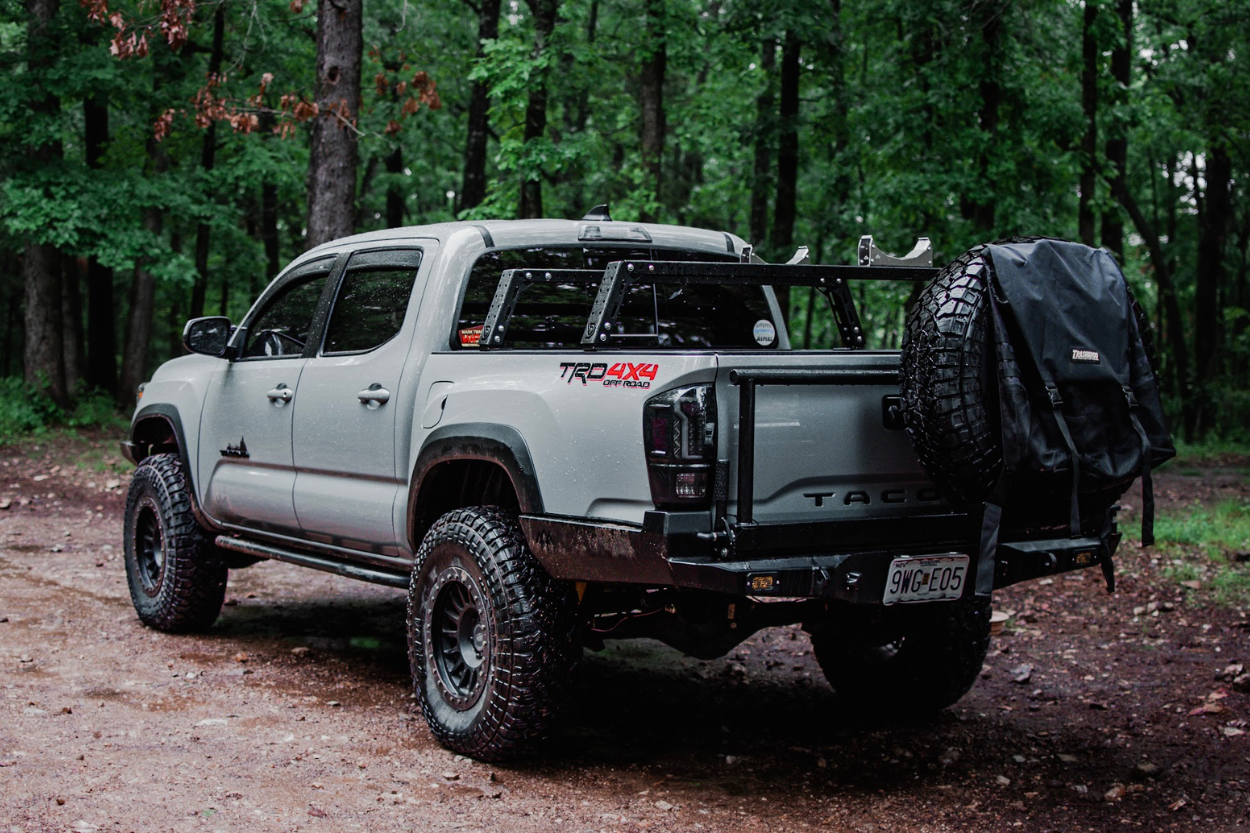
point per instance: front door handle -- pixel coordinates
(280, 395)
(375, 397)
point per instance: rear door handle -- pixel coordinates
(280, 395)
(375, 397)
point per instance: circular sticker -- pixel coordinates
(765, 332)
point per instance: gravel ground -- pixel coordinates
(295, 712)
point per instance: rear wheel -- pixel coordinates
(176, 575)
(925, 661)
(491, 636)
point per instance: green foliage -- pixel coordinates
(896, 139)
(25, 411)
(1218, 534)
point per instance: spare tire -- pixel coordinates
(950, 399)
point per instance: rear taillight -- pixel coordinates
(679, 435)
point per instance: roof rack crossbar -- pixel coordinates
(831, 281)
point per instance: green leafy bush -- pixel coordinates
(24, 411)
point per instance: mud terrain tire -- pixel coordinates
(176, 575)
(492, 638)
(927, 665)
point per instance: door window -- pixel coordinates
(370, 309)
(282, 328)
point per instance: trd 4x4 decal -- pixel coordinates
(618, 375)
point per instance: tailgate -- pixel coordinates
(822, 451)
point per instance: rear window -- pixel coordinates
(653, 315)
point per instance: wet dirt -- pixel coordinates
(295, 712)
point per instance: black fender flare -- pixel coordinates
(486, 441)
(135, 453)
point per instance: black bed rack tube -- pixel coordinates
(748, 380)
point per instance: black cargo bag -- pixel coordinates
(1078, 400)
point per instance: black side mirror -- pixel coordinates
(208, 336)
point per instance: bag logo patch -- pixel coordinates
(1086, 356)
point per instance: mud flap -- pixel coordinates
(987, 558)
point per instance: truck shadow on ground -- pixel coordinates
(768, 727)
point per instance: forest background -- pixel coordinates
(163, 159)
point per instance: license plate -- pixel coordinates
(925, 578)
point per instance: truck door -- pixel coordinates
(245, 431)
(350, 397)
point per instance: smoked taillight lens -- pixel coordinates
(679, 435)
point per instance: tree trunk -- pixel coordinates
(269, 227)
(333, 158)
(44, 364)
(544, 12)
(1168, 298)
(101, 369)
(1214, 214)
(1089, 142)
(71, 324)
(142, 297)
(394, 193)
(1117, 143)
(761, 182)
(208, 158)
(786, 206)
(473, 191)
(981, 203)
(655, 60)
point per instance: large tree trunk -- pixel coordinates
(544, 12)
(1089, 142)
(786, 206)
(654, 64)
(473, 191)
(101, 369)
(1117, 142)
(208, 158)
(761, 181)
(1214, 215)
(44, 365)
(333, 159)
(142, 296)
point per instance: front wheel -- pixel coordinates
(176, 575)
(923, 662)
(491, 636)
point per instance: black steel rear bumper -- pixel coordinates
(843, 561)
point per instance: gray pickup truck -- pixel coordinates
(551, 433)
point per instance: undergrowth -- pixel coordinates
(25, 412)
(1221, 534)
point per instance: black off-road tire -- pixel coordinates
(922, 664)
(948, 383)
(492, 638)
(949, 393)
(176, 575)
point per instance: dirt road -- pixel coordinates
(294, 712)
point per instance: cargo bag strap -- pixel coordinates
(1147, 486)
(1056, 404)
(991, 523)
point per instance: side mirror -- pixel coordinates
(208, 336)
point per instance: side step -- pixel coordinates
(317, 562)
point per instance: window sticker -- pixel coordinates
(471, 336)
(765, 333)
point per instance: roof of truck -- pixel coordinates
(513, 233)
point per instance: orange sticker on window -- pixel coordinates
(470, 336)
